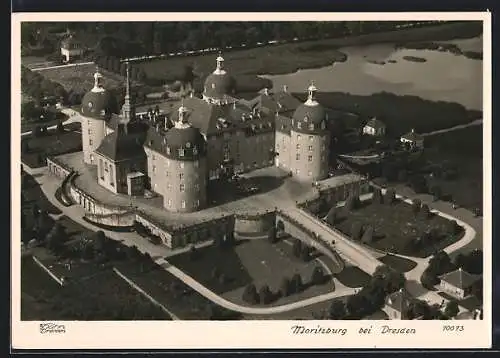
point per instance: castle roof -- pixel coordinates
(399, 300)
(98, 102)
(122, 145)
(220, 82)
(459, 278)
(375, 123)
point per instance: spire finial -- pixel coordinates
(97, 77)
(220, 60)
(127, 93)
(311, 93)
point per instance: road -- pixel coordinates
(49, 186)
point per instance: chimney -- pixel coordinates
(266, 91)
(191, 94)
(165, 123)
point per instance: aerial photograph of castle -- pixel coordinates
(251, 170)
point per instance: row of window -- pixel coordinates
(311, 126)
(183, 203)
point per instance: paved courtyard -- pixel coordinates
(277, 190)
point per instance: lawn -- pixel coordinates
(81, 78)
(462, 149)
(396, 227)
(398, 263)
(179, 298)
(353, 277)
(219, 269)
(105, 297)
(51, 144)
(268, 264)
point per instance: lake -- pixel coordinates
(442, 77)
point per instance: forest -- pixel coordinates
(125, 39)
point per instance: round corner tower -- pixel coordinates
(96, 110)
(310, 140)
(186, 157)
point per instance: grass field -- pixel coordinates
(396, 226)
(398, 263)
(462, 149)
(51, 144)
(186, 303)
(104, 297)
(81, 78)
(353, 276)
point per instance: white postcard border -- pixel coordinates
(248, 334)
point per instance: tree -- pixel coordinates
(318, 276)
(271, 235)
(390, 196)
(285, 287)
(356, 231)
(337, 310)
(296, 283)
(416, 205)
(451, 309)
(37, 132)
(377, 196)
(35, 210)
(436, 192)
(426, 212)
(250, 294)
(297, 248)
(352, 202)
(429, 279)
(305, 253)
(25, 146)
(55, 238)
(60, 127)
(100, 242)
(44, 224)
(193, 253)
(215, 273)
(331, 217)
(265, 295)
(367, 235)
(453, 227)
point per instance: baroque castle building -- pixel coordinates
(202, 139)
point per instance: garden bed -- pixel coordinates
(397, 228)
(47, 145)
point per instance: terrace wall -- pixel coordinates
(115, 220)
(254, 224)
(57, 168)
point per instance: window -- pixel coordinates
(90, 141)
(311, 126)
(310, 158)
(168, 163)
(90, 131)
(167, 174)
(277, 146)
(169, 187)
(182, 165)
(181, 152)
(298, 137)
(197, 187)
(181, 176)
(168, 150)
(311, 138)
(298, 146)
(92, 158)
(197, 203)
(195, 150)
(106, 167)
(310, 148)
(309, 173)
(169, 202)
(153, 157)
(182, 188)
(299, 125)
(297, 156)
(183, 204)
(154, 168)
(297, 171)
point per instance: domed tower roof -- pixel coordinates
(310, 117)
(97, 103)
(219, 83)
(185, 142)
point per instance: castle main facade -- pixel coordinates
(202, 139)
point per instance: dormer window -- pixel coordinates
(168, 150)
(311, 126)
(195, 150)
(323, 125)
(299, 125)
(213, 85)
(181, 152)
(188, 145)
(306, 118)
